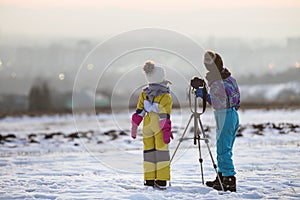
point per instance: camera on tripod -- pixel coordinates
(199, 133)
(197, 82)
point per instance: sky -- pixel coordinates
(97, 18)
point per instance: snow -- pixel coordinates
(105, 164)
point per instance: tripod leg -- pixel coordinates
(200, 158)
(209, 151)
(182, 137)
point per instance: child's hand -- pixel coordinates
(165, 126)
(133, 131)
(135, 122)
(199, 93)
(166, 137)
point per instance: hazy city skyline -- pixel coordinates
(45, 42)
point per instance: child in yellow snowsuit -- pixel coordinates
(154, 106)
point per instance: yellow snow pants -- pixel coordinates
(156, 152)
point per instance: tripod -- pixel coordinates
(197, 132)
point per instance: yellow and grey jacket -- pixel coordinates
(155, 104)
(161, 105)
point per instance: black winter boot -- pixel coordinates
(149, 183)
(229, 184)
(160, 184)
(216, 181)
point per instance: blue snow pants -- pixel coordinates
(227, 124)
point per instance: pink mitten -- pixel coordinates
(135, 122)
(165, 126)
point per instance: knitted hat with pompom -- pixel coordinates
(154, 74)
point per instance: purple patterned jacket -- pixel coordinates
(225, 94)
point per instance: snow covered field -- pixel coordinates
(45, 158)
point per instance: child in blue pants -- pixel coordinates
(224, 96)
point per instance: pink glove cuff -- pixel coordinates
(165, 124)
(167, 137)
(135, 122)
(136, 119)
